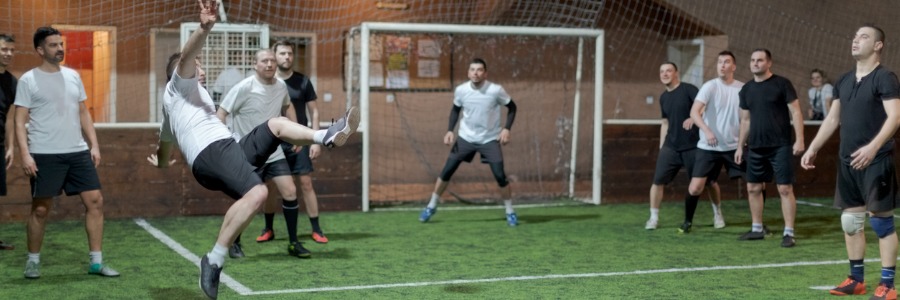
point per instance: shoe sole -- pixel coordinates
(351, 122)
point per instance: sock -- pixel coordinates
(96, 257)
(857, 270)
(238, 239)
(789, 231)
(291, 208)
(270, 220)
(217, 255)
(508, 204)
(314, 222)
(35, 257)
(756, 227)
(434, 200)
(654, 214)
(319, 136)
(690, 206)
(716, 209)
(887, 276)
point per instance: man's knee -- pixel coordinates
(754, 188)
(883, 226)
(853, 222)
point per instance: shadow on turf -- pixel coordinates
(462, 289)
(535, 219)
(334, 253)
(175, 293)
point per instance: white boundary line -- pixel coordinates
(184, 252)
(479, 207)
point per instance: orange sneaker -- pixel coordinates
(883, 292)
(319, 238)
(850, 287)
(265, 236)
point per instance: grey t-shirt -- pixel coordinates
(53, 101)
(250, 103)
(722, 114)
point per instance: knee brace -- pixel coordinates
(499, 175)
(883, 226)
(853, 222)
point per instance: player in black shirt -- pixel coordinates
(7, 97)
(866, 107)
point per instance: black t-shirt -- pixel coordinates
(301, 90)
(862, 109)
(8, 84)
(770, 117)
(676, 107)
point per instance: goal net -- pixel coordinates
(406, 97)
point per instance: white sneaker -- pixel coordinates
(651, 224)
(718, 221)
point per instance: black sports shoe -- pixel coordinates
(787, 241)
(296, 249)
(685, 227)
(340, 130)
(235, 251)
(752, 236)
(209, 278)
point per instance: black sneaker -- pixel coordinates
(787, 241)
(296, 249)
(340, 130)
(752, 236)
(209, 278)
(685, 227)
(235, 251)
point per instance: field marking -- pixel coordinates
(479, 207)
(184, 252)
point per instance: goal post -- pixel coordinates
(367, 28)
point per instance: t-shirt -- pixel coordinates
(189, 116)
(480, 111)
(675, 106)
(251, 103)
(53, 101)
(770, 117)
(8, 84)
(722, 114)
(817, 98)
(862, 110)
(301, 91)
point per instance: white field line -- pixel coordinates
(479, 207)
(184, 252)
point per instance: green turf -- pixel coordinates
(383, 248)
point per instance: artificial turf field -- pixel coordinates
(571, 251)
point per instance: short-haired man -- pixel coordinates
(55, 156)
(769, 106)
(7, 96)
(677, 142)
(867, 109)
(715, 112)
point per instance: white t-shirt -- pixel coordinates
(189, 116)
(251, 102)
(723, 113)
(53, 101)
(480, 111)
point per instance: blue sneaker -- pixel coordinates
(426, 214)
(512, 219)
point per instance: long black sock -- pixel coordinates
(270, 219)
(315, 224)
(690, 206)
(290, 208)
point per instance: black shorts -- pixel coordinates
(73, 173)
(874, 187)
(259, 144)
(299, 162)
(710, 162)
(223, 166)
(763, 163)
(3, 173)
(274, 169)
(669, 161)
(464, 151)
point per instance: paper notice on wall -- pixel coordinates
(429, 48)
(398, 79)
(376, 74)
(429, 68)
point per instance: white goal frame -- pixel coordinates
(367, 27)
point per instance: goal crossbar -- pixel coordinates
(367, 27)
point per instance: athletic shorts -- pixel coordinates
(874, 187)
(464, 151)
(669, 161)
(73, 173)
(299, 162)
(763, 163)
(710, 162)
(274, 169)
(223, 166)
